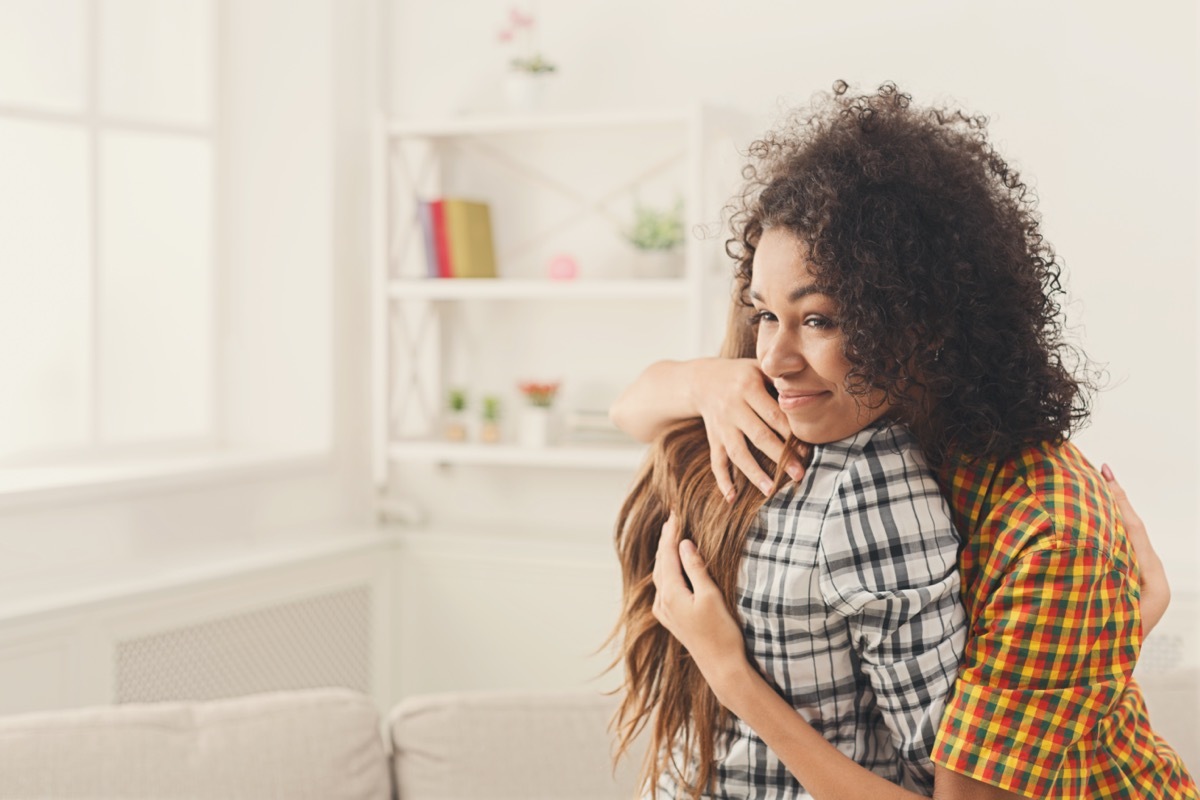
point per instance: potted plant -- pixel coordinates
(657, 234)
(528, 69)
(490, 430)
(455, 428)
(537, 416)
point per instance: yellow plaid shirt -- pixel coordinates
(1045, 704)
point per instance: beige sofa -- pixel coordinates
(323, 744)
(331, 744)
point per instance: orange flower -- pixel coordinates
(538, 394)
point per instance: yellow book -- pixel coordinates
(469, 239)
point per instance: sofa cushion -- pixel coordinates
(527, 745)
(322, 743)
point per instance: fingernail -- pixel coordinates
(795, 471)
(1106, 472)
(765, 488)
(731, 495)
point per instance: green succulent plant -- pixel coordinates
(491, 408)
(656, 229)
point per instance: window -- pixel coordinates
(108, 301)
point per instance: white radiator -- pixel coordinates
(324, 640)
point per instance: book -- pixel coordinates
(437, 213)
(468, 226)
(425, 221)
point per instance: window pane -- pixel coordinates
(45, 282)
(155, 288)
(43, 45)
(156, 60)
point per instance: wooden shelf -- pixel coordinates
(616, 456)
(488, 124)
(516, 289)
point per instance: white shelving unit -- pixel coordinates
(555, 183)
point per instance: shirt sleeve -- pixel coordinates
(889, 565)
(1051, 650)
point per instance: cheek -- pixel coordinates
(833, 363)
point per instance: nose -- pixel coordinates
(779, 353)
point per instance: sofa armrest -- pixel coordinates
(493, 745)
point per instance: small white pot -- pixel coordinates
(526, 91)
(536, 426)
(659, 264)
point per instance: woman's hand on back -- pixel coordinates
(1156, 593)
(697, 617)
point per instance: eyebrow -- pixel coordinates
(794, 295)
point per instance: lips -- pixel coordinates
(793, 399)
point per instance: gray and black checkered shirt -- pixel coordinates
(849, 598)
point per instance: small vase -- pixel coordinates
(535, 428)
(489, 432)
(659, 264)
(526, 91)
(455, 427)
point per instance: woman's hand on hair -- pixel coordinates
(697, 617)
(731, 396)
(1156, 593)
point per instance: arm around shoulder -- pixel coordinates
(729, 394)
(660, 395)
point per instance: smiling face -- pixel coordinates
(799, 344)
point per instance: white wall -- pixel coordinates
(277, 229)
(1095, 102)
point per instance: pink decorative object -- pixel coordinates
(564, 267)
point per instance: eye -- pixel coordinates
(819, 322)
(761, 316)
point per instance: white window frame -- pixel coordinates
(228, 454)
(95, 125)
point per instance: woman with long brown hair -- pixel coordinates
(939, 292)
(845, 580)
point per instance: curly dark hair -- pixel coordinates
(928, 241)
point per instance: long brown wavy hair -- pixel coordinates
(664, 693)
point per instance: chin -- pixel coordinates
(821, 434)
(812, 434)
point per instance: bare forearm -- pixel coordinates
(660, 395)
(821, 768)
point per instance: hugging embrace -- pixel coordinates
(863, 559)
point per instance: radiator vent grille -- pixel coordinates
(1173, 643)
(319, 641)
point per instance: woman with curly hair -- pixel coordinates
(903, 238)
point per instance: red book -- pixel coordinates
(437, 211)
